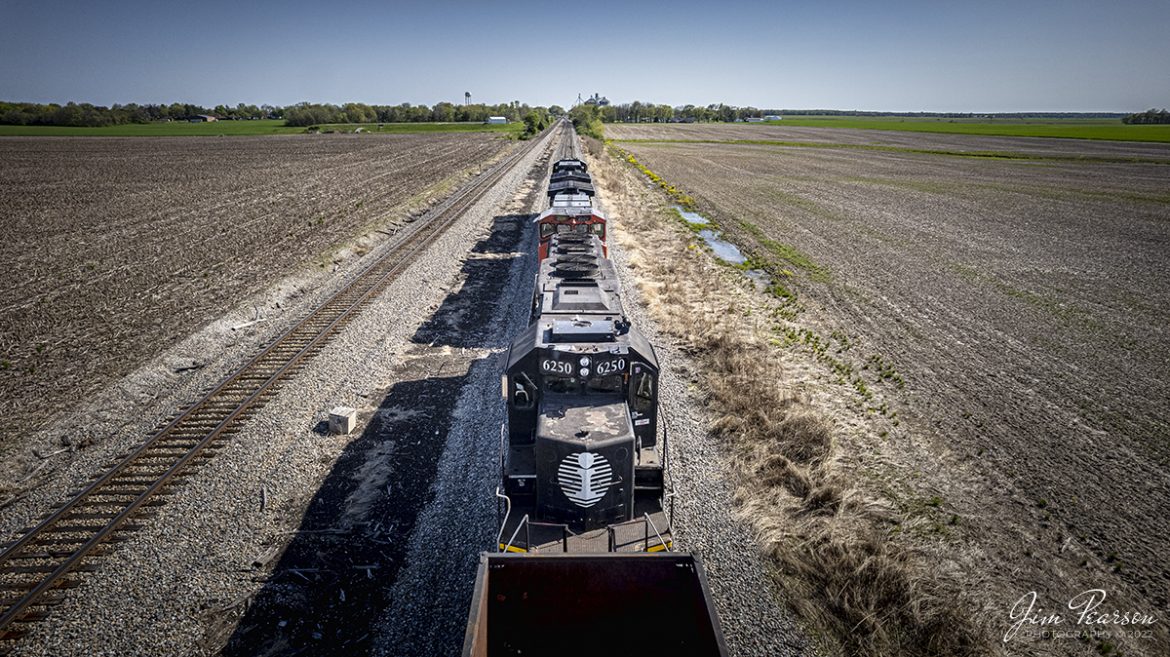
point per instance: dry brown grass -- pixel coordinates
(847, 573)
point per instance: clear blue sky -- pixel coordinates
(985, 56)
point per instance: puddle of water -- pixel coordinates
(691, 217)
(760, 277)
(723, 250)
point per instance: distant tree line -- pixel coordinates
(306, 114)
(1150, 116)
(639, 112)
(301, 114)
(87, 115)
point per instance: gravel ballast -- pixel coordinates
(177, 586)
(292, 540)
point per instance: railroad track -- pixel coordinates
(38, 568)
(568, 148)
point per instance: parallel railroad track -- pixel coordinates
(37, 568)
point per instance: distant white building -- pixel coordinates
(753, 119)
(773, 117)
(497, 119)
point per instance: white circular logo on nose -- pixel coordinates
(585, 477)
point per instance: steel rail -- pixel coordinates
(217, 414)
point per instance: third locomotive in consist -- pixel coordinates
(585, 563)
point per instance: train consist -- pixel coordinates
(583, 465)
(585, 563)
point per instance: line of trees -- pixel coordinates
(88, 115)
(301, 114)
(1148, 117)
(638, 112)
(537, 119)
(587, 119)
(306, 114)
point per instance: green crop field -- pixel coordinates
(1111, 129)
(236, 128)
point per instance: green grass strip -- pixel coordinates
(681, 197)
(995, 155)
(1093, 129)
(787, 253)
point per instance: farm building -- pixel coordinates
(773, 117)
(497, 119)
(203, 118)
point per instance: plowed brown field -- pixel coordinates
(1025, 302)
(115, 248)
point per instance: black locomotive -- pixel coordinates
(583, 456)
(570, 176)
(583, 469)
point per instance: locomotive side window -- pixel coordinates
(523, 391)
(546, 230)
(599, 230)
(612, 383)
(643, 392)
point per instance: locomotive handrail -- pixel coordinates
(523, 522)
(507, 512)
(661, 541)
(665, 437)
(647, 522)
(503, 440)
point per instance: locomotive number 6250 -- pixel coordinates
(557, 367)
(615, 366)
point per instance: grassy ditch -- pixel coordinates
(779, 260)
(679, 196)
(837, 554)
